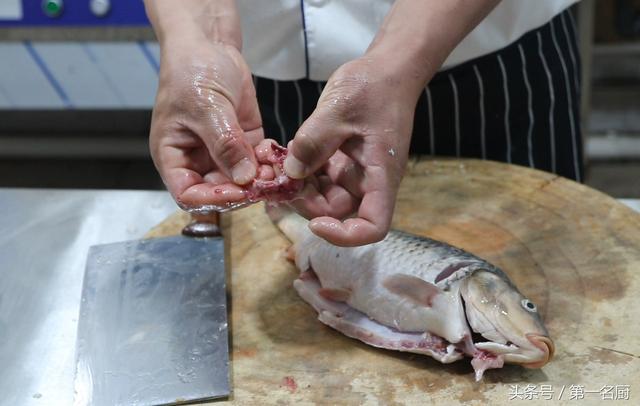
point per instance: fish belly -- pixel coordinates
(358, 325)
(360, 272)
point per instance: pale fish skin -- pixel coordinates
(411, 293)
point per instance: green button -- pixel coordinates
(52, 8)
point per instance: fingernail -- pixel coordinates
(243, 172)
(294, 168)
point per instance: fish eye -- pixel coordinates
(529, 306)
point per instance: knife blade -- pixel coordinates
(153, 320)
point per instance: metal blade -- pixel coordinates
(153, 323)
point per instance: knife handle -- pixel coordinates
(203, 225)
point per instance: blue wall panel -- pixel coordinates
(22, 83)
(78, 13)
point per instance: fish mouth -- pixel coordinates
(533, 352)
(544, 344)
(496, 348)
(477, 339)
(529, 357)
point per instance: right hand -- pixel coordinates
(357, 144)
(205, 123)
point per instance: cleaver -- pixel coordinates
(153, 320)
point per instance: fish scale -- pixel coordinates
(412, 293)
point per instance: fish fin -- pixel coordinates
(412, 287)
(308, 291)
(451, 269)
(355, 324)
(337, 294)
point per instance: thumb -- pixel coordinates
(227, 144)
(316, 141)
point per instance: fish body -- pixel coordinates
(412, 293)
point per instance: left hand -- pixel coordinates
(357, 143)
(206, 123)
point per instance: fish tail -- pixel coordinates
(288, 221)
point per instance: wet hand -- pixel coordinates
(356, 144)
(205, 123)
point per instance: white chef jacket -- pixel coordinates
(294, 39)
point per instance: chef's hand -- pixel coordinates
(357, 143)
(359, 134)
(206, 121)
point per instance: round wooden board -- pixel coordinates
(571, 249)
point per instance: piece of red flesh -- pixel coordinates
(279, 189)
(483, 360)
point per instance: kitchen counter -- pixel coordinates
(633, 203)
(44, 238)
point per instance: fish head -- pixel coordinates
(498, 312)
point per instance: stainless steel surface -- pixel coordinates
(153, 323)
(617, 48)
(110, 33)
(44, 239)
(613, 147)
(632, 203)
(100, 146)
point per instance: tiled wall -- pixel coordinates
(78, 75)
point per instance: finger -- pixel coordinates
(215, 196)
(341, 202)
(177, 180)
(344, 171)
(180, 167)
(264, 151)
(309, 202)
(315, 142)
(375, 152)
(178, 148)
(249, 114)
(364, 229)
(374, 215)
(350, 233)
(254, 137)
(248, 109)
(227, 145)
(266, 172)
(320, 197)
(190, 189)
(330, 201)
(216, 178)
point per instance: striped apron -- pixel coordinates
(520, 104)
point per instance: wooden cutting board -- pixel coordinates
(573, 250)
